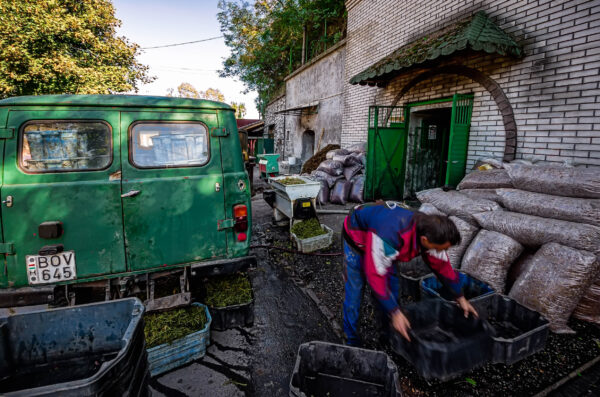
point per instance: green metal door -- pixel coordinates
(460, 123)
(172, 186)
(61, 167)
(386, 151)
(269, 145)
(427, 154)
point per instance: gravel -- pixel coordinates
(562, 355)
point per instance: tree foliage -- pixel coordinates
(240, 109)
(266, 38)
(187, 90)
(65, 46)
(214, 94)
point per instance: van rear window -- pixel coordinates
(169, 144)
(51, 146)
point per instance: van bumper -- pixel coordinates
(223, 266)
(27, 296)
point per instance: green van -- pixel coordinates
(110, 190)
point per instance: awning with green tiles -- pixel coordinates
(477, 32)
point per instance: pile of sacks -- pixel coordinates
(532, 232)
(342, 175)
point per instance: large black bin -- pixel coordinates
(327, 369)
(88, 350)
(444, 343)
(518, 331)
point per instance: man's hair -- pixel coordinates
(438, 229)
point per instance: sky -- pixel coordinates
(154, 23)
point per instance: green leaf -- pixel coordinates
(58, 47)
(266, 38)
(471, 381)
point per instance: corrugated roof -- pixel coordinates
(478, 33)
(252, 126)
(114, 100)
(244, 122)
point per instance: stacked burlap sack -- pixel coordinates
(342, 175)
(532, 232)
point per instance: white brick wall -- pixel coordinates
(554, 90)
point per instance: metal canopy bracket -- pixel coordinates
(306, 109)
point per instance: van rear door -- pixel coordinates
(63, 178)
(172, 189)
(5, 133)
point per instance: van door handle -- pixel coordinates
(131, 193)
(8, 201)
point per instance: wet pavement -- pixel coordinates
(298, 299)
(257, 360)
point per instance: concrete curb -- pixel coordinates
(567, 378)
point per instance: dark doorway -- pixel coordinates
(308, 144)
(427, 149)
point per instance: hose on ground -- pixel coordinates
(291, 251)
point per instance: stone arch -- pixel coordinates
(508, 117)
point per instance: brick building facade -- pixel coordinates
(538, 102)
(553, 90)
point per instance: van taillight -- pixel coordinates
(240, 213)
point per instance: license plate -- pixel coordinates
(45, 269)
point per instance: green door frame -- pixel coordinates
(466, 115)
(458, 147)
(383, 166)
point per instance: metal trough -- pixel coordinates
(293, 201)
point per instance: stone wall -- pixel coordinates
(553, 90)
(322, 81)
(275, 121)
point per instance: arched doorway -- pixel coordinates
(308, 144)
(502, 102)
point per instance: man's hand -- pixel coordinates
(401, 324)
(466, 307)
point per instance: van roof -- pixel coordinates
(114, 101)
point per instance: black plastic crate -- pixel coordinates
(444, 343)
(232, 316)
(473, 289)
(89, 350)
(518, 331)
(228, 317)
(327, 369)
(410, 275)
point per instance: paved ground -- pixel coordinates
(257, 360)
(298, 299)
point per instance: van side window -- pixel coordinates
(168, 144)
(51, 146)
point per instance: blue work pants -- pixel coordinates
(354, 278)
